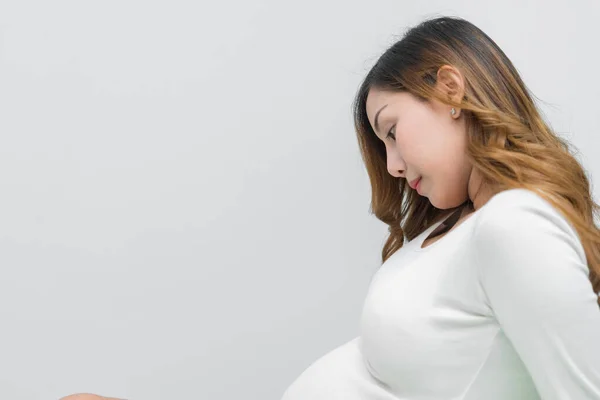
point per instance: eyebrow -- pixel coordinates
(377, 116)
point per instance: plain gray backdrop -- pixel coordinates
(184, 213)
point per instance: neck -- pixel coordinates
(479, 193)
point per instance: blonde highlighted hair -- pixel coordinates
(509, 143)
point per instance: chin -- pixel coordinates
(443, 204)
(439, 206)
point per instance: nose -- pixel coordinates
(395, 166)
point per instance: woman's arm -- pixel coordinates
(534, 273)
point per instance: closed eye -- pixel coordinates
(391, 134)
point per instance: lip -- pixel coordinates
(413, 184)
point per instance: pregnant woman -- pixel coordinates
(488, 287)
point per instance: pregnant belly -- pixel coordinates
(339, 375)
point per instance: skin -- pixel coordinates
(425, 140)
(87, 396)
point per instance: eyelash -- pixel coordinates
(390, 134)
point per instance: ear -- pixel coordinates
(451, 84)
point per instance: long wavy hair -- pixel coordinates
(509, 143)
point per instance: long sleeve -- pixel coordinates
(534, 276)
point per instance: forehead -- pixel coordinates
(378, 98)
(375, 99)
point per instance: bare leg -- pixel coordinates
(87, 396)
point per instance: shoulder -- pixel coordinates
(523, 220)
(523, 210)
(508, 201)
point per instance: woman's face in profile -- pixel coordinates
(422, 140)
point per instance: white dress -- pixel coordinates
(500, 308)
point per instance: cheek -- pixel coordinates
(409, 147)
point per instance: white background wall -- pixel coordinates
(184, 212)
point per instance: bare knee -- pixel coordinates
(87, 396)
(82, 396)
